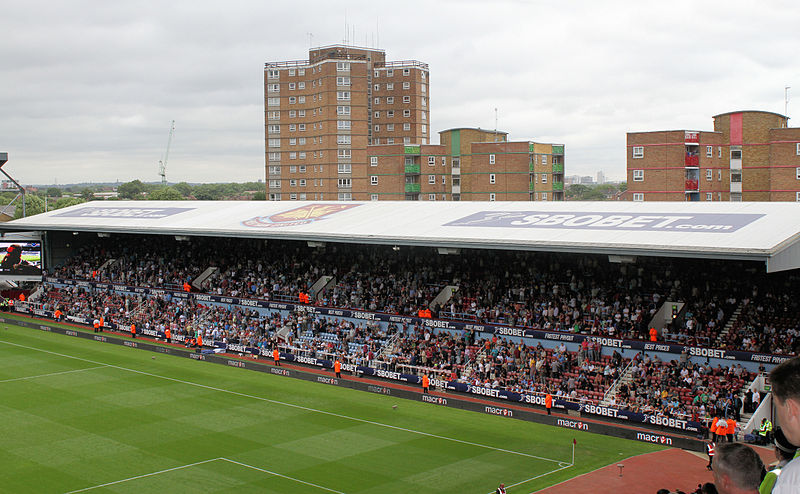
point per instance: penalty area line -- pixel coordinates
(51, 374)
(143, 476)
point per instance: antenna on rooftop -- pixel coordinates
(310, 39)
(786, 101)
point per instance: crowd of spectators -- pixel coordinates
(557, 292)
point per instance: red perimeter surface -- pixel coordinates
(671, 469)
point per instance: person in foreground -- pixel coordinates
(785, 380)
(737, 469)
(784, 452)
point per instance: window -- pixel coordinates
(406, 126)
(292, 86)
(373, 180)
(292, 72)
(544, 196)
(275, 184)
(343, 196)
(301, 99)
(423, 115)
(406, 71)
(293, 182)
(301, 141)
(301, 113)
(423, 128)
(406, 113)
(345, 168)
(797, 196)
(277, 157)
(302, 167)
(390, 86)
(342, 66)
(274, 143)
(342, 81)
(301, 71)
(301, 127)
(343, 95)
(491, 159)
(345, 183)
(406, 99)
(292, 127)
(709, 151)
(709, 175)
(422, 75)
(274, 115)
(638, 175)
(343, 124)
(373, 197)
(719, 152)
(302, 155)
(406, 140)
(377, 114)
(390, 140)
(293, 141)
(544, 178)
(406, 85)
(274, 88)
(390, 73)
(736, 154)
(301, 85)
(431, 197)
(373, 161)
(709, 196)
(376, 74)
(544, 159)
(274, 197)
(273, 74)
(491, 178)
(444, 160)
(343, 110)
(390, 100)
(797, 172)
(719, 175)
(302, 182)
(390, 127)
(638, 196)
(342, 139)
(423, 101)
(292, 113)
(444, 180)
(275, 170)
(638, 152)
(274, 129)
(491, 196)
(292, 100)
(344, 153)
(736, 176)
(273, 102)
(431, 160)
(797, 151)
(390, 114)
(293, 155)
(432, 179)
(293, 169)
(377, 101)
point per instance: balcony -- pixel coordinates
(530, 186)
(558, 149)
(531, 167)
(558, 186)
(412, 169)
(691, 137)
(692, 185)
(558, 167)
(412, 188)
(692, 160)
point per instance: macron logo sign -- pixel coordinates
(700, 222)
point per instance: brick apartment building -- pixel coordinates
(749, 156)
(468, 165)
(321, 113)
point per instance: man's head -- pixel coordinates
(737, 469)
(784, 450)
(785, 381)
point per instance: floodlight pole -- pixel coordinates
(3, 161)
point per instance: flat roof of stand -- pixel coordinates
(759, 231)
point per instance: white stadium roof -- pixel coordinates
(761, 231)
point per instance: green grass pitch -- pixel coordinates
(78, 415)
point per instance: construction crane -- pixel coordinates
(162, 164)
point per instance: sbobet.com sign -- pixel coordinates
(700, 222)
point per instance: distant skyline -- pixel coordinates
(89, 87)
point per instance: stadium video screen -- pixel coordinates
(20, 258)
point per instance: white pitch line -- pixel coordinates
(534, 478)
(51, 374)
(143, 476)
(300, 407)
(280, 475)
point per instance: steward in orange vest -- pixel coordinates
(168, 335)
(548, 402)
(133, 330)
(425, 383)
(653, 334)
(337, 368)
(276, 356)
(57, 315)
(187, 287)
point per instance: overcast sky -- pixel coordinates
(88, 88)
